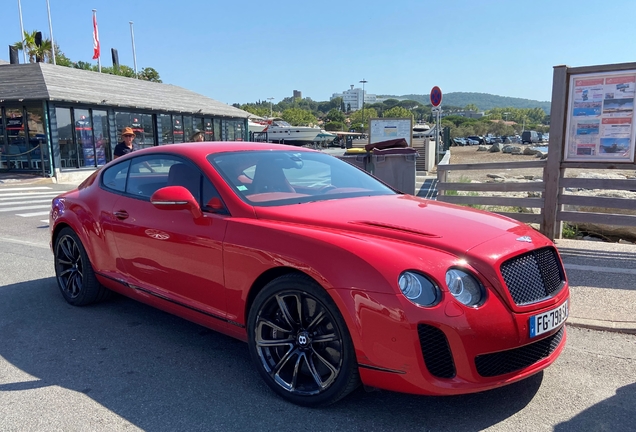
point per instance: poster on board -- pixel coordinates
(600, 122)
(384, 129)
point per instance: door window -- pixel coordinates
(114, 177)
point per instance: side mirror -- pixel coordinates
(216, 205)
(176, 198)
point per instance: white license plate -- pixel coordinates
(549, 320)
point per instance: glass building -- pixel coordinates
(56, 120)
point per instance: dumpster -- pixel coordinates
(395, 167)
(356, 158)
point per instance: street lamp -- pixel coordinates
(270, 106)
(363, 81)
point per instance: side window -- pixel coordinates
(114, 177)
(209, 192)
(149, 173)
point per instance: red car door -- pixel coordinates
(170, 252)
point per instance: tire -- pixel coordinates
(285, 322)
(74, 272)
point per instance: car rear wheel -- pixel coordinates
(300, 343)
(74, 272)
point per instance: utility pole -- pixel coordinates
(132, 37)
(363, 83)
(270, 106)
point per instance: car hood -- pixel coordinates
(404, 217)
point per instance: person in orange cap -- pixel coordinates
(126, 146)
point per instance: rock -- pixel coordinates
(510, 149)
(482, 148)
(496, 176)
(516, 150)
(530, 151)
(495, 148)
(528, 177)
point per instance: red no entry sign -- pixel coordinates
(436, 96)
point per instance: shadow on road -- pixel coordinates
(609, 260)
(613, 414)
(160, 372)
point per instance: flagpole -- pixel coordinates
(96, 37)
(48, 9)
(22, 32)
(132, 37)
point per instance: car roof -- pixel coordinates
(196, 150)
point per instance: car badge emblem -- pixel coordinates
(526, 239)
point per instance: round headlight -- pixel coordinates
(464, 287)
(418, 289)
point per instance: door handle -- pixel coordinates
(121, 214)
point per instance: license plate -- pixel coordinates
(549, 320)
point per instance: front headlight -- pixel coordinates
(465, 287)
(419, 289)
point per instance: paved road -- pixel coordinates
(121, 365)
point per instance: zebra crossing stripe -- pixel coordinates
(42, 213)
(23, 194)
(11, 209)
(25, 188)
(26, 202)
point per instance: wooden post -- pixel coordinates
(553, 171)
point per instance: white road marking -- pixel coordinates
(42, 213)
(24, 242)
(25, 208)
(25, 188)
(17, 196)
(600, 269)
(26, 202)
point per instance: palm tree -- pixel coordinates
(42, 53)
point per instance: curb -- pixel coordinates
(626, 327)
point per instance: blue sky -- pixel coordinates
(243, 51)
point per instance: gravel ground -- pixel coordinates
(470, 155)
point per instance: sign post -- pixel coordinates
(436, 101)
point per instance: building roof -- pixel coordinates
(38, 81)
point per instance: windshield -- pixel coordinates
(275, 177)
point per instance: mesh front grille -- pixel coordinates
(436, 352)
(489, 365)
(533, 276)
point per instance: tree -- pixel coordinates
(42, 52)
(398, 112)
(149, 74)
(298, 116)
(471, 107)
(335, 115)
(260, 111)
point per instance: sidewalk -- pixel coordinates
(602, 276)
(602, 279)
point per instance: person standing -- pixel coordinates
(197, 136)
(127, 145)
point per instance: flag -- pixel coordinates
(96, 52)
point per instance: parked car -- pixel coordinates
(479, 139)
(459, 141)
(529, 137)
(470, 141)
(331, 277)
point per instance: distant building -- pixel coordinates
(60, 121)
(352, 98)
(298, 94)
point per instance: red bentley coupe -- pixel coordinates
(332, 277)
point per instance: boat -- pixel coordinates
(256, 126)
(280, 131)
(420, 130)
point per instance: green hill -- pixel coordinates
(484, 101)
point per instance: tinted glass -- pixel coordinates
(188, 129)
(65, 131)
(165, 123)
(289, 177)
(102, 140)
(84, 137)
(208, 129)
(177, 128)
(38, 147)
(114, 177)
(3, 148)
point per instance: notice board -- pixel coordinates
(600, 117)
(384, 129)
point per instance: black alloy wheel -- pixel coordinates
(300, 343)
(74, 273)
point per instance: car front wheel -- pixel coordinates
(300, 343)
(74, 272)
